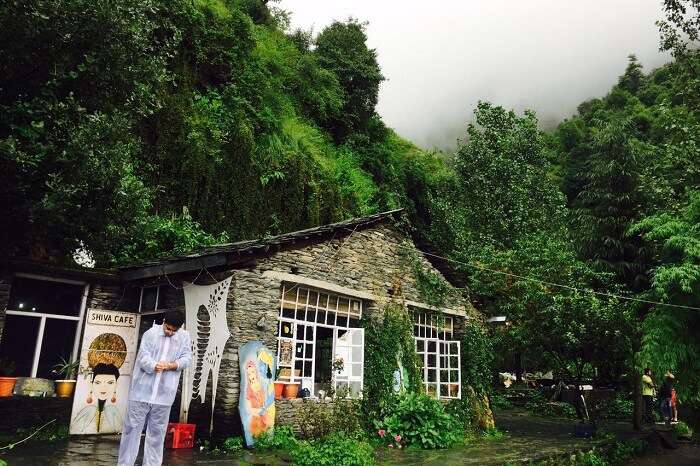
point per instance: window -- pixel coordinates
(43, 324)
(320, 343)
(439, 354)
(150, 308)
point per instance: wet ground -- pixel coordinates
(528, 438)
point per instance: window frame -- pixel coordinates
(301, 304)
(43, 316)
(431, 329)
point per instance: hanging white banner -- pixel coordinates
(205, 308)
(107, 357)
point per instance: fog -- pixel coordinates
(440, 58)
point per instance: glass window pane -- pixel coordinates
(286, 329)
(342, 320)
(149, 298)
(59, 336)
(300, 350)
(313, 298)
(30, 295)
(443, 390)
(307, 368)
(356, 370)
(356, 338)
(357, 354)
(288, 312)
(311, 314)
(300, 332)
(19, 341)
(321, 317)
(309, 334)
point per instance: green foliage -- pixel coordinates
(494, 435)
(335, 449)
(615, 455)
(233, 444)
(113, 117)
(498, 401)
(387, 336)
(342, 49)
(343, 416)
(477, 357)
(540, 406)
(683, 429)
(281, 438)
(420, 421)
(619, 407)
(670, 335)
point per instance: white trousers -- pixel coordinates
(156, 419)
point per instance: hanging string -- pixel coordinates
(558, 285)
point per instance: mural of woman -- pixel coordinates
(257, 404)
(101, 414)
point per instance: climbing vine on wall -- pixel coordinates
(477, 357)
(386, 336)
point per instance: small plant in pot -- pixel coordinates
(7, 381)
(279, 385)
(67, 369)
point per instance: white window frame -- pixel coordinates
(42, 316)
(304, 332)
(436, 332)
(156, 308)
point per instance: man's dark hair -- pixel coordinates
(647, 371)
(174, 318)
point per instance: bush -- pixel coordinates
(539, 406)
(282, 438)
(499, 401)
(419, 421)
(333, 450)
(233, 444)
(619, 407)
(320, 419)
(683, 430)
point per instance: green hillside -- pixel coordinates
(145, 127)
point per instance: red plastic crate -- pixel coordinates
(180, 435)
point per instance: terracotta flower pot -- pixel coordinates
(279, 388)
(291, 390)
(6, 385)
(64, 388)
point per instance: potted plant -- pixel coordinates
(279, 385)
(67, 369)
(7, 382)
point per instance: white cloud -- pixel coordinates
(441, 57)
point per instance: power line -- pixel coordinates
(572, 288)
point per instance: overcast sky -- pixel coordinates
(440, 57)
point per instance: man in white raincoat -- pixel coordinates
(165, 351)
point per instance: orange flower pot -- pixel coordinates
(6, 385)
(279, 389)
(291, 390)
(64, 388)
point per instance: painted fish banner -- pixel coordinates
(256, 402)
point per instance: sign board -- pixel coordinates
(107, 355)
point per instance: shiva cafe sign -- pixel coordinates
(117, 319)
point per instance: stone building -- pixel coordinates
(306, 295)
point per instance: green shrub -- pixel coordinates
(540, 406)
(233, 444)
(320, 419)
(417, 420)
(333, 450)
(282, 438)
(499, 401)
(683, 429)
(619, 407)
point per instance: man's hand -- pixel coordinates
(165, 366)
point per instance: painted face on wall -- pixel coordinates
(104, 386)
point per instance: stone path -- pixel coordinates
(529, 438)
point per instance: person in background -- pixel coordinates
(665, 395)
(674, 407)
(164, 352)
(648, 395)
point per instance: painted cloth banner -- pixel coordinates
(107, 358)
(256, 402)
(205, 308)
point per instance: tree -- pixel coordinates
(342, 49)
(671, 334)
